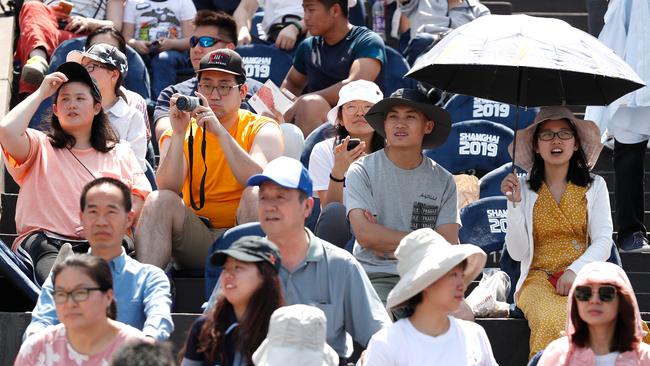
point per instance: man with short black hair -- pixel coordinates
(398, 189)
(207, 155)
(142, 291)
(336, 54)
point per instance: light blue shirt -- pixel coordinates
(142, 294)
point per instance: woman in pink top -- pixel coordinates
(52, 168)
(603, 322)
(87, 335)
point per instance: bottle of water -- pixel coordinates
(378, 20)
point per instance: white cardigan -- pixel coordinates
(519, 236)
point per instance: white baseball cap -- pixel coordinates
(286, 172)
(356, 90)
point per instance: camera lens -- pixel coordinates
(186, 103)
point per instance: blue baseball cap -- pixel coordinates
(285, 172)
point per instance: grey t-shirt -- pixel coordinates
(403, 200)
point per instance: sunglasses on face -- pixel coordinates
(205, 41)
(606, 293)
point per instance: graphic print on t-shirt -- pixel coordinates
(424, 215)
(159, 23)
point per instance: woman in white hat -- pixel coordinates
(330, 159)
(559, 216)
(433, 277)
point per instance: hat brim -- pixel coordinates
(266, 354)
(588, 132)
(431, 268)
(75, 72)
(258, 179)
(219, 257)
(441, 119)
(220, 70)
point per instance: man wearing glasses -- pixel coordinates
(212, 31)
(208, 155)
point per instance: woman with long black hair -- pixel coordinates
(249, 293)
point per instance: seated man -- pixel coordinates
(313, 271)
(282, 21)
(212, 31)
(142, 291)
(396, 190)
(337, 54)
(44, 25)
(208, 157)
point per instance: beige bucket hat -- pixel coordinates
(424, 256)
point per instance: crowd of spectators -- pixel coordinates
(103, 225)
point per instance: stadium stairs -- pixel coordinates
(509, 337)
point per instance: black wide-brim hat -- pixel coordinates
(411, 97)
(75, 72)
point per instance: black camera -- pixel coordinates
(187, 103)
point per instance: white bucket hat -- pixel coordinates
(356, 90)
(297, 336)
(424, 256)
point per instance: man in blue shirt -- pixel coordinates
(142, 291)
(336, 54)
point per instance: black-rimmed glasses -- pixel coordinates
(222, 90)
(77, 295)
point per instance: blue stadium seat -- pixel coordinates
(263, 62)
(137, 78)
(464, 108)
(213, 272)
(484, 223)
(474, 147)
(394, 70)
(357, 14)
(255, 20)
(490, 184)
(323, 132)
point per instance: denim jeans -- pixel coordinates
(596, 10)
(164, 67)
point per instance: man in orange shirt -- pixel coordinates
(208, 155)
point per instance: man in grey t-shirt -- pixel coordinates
(396, 190)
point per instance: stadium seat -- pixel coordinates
(394, 70)
(137, 78)
(323, 132)
(474, 147)
(490, 184)
(357, 14)
(484, 223)
(264, 61)
(464, 108)
(213, 272)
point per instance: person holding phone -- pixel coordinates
(330, 159)
(558, 216)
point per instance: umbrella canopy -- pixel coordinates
(526, 61)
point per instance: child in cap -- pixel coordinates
(433, 277)
(108, 66)
(250, 291)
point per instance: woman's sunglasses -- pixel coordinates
(606, 293)
(205, 41)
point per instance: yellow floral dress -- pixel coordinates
(560, 237)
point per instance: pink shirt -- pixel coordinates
(51, 181)
(51, 347)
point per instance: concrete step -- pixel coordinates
(635, 262)
(190, 294)
(640, 281)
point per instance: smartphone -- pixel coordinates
(353, 143)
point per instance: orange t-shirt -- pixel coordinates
(222, 191)
(51, 181)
